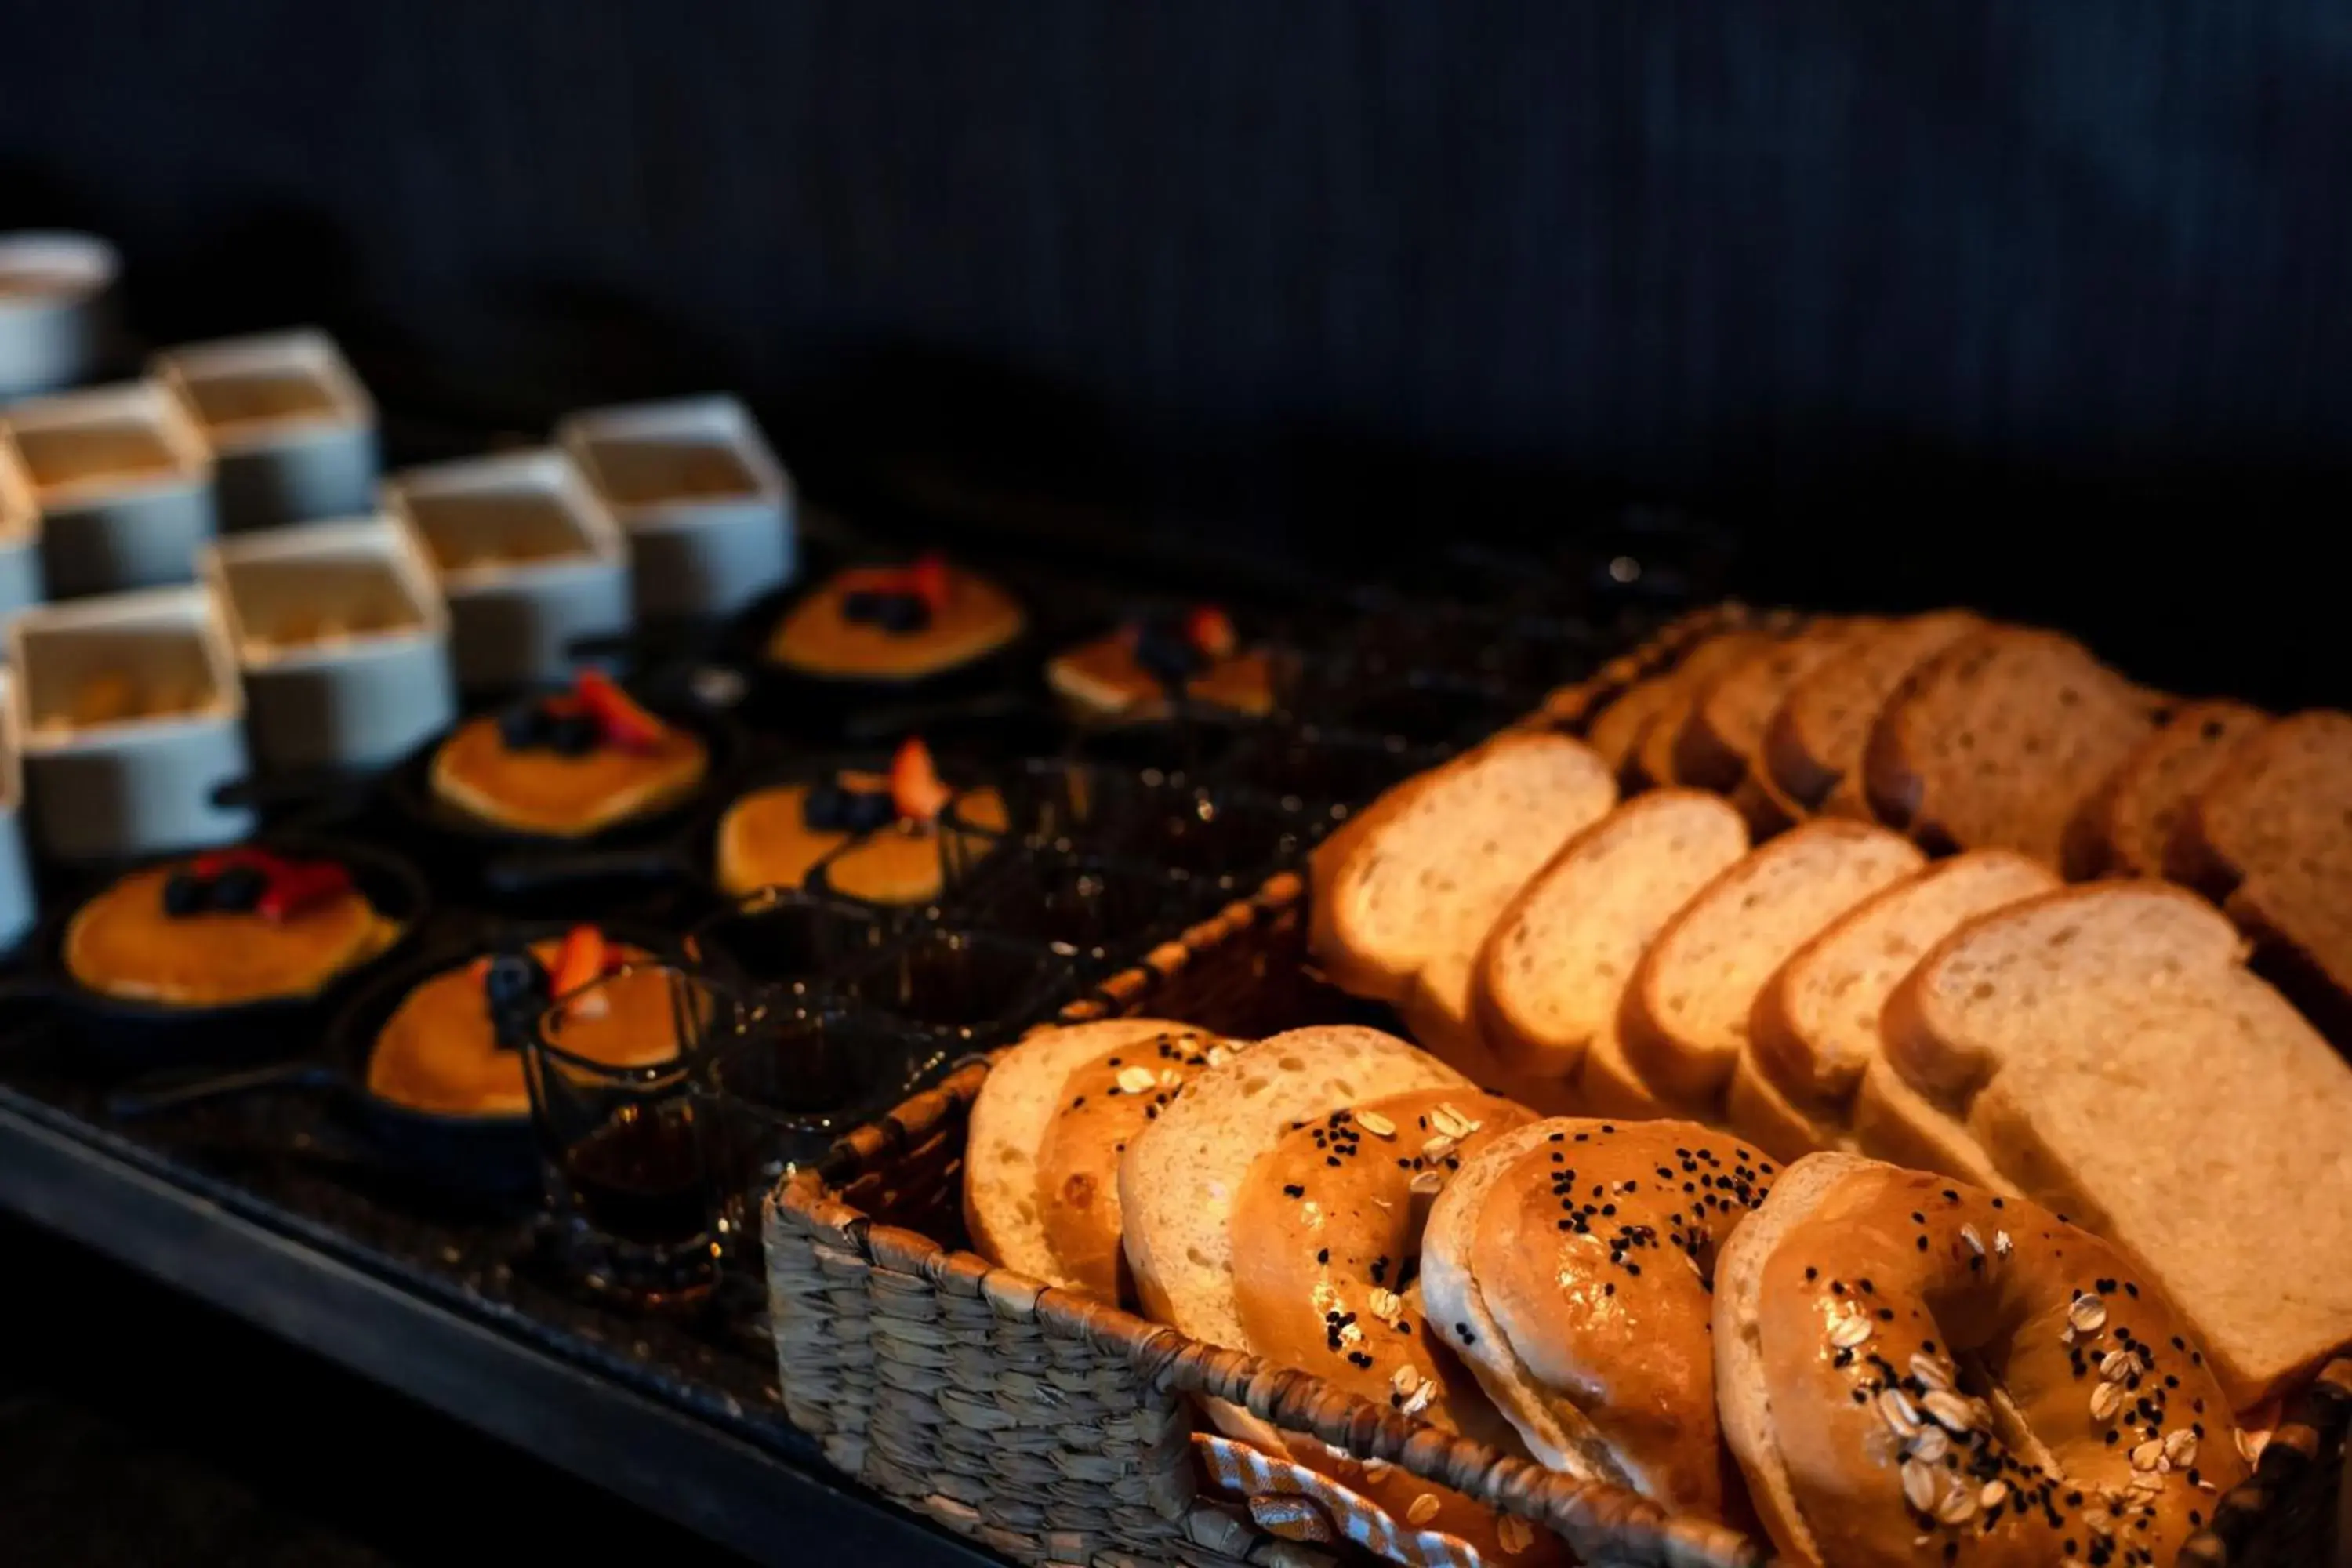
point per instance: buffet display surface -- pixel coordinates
(237, 1170)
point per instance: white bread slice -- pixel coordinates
(2118, 1063)
(1008, 1117)
(1720, 740)
(1432, 863)
(1896, 1124)
(1178, 1211)
(1685, 1016)
(1555, 967)
(1651, 760)
(1815, 1025)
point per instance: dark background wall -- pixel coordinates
(2038, 304)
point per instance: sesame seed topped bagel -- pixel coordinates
(1913, 1371)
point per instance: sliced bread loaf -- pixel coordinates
(1815, 1025)
(1813, 744)
(1719, 741)
(1894, 1122)
(1426, 869)
(1999, 741)
(1652, 760)
(2116, 1062)
(1684, 1020)
(2272, 836)
(2126, 827)
(1555, 967)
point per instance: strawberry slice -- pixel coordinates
(580, 962)
(296, 886)
(620, 721)
(1211, 630)
(916, 787)
(927, 579)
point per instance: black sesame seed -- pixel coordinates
(1293, 1190)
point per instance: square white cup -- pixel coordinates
(106, 532)
(19, 910)
(21, 583)
(360, 699)
(691, 556)
(290, 467)
(56, 311)
(514, 612)
(135, 786)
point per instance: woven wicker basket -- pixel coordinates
(1052, 1428)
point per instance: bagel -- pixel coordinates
(1017, 1115)
(1553, 1256)
(1914, 1371)
(1276, 1206)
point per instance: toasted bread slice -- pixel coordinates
(1999, 741)
(2113, 1058)
(1685, 1017)
(1433, 862)
(1009, 1118)
(1555, 967)
(1721, 740)
(1813, 744)
(2271, 835)
(2126, 829)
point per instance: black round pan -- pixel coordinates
(118, 1034)
(491, 1156)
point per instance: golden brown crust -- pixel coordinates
(439, 1053)
(540, 791)
(817, 637)
(1326, 1224)
(764, 841)
(1104, 1104)
(1876, 1311)
(121, 944)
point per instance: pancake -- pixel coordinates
(764, 841)
(972, 619)
(1105, 679)
(540, 790)
(439, 1053)
(121, 944)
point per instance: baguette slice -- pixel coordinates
(1813, 745)
(2116, 1060)
(1554, 970)
(1432, 863)
(1720, 740)
(1652, 760)
(2129, 825)
(1685, 1017)
(1009, 1118)
(1815, 1025)
(2271, 835)
(2000, 741)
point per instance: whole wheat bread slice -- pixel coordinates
(2126, 827)
(1555, 967)
(2116, 1062)
(1813, 744)
(1685, 1017)
(1428, 867)
(1651, 761)
(2272, 836)
(1814, 1029)
(1999, 741)
(1721, 738)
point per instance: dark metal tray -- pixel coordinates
(259, 1207)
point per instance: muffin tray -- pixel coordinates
(270, 1207)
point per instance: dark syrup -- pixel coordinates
(639, 1178)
